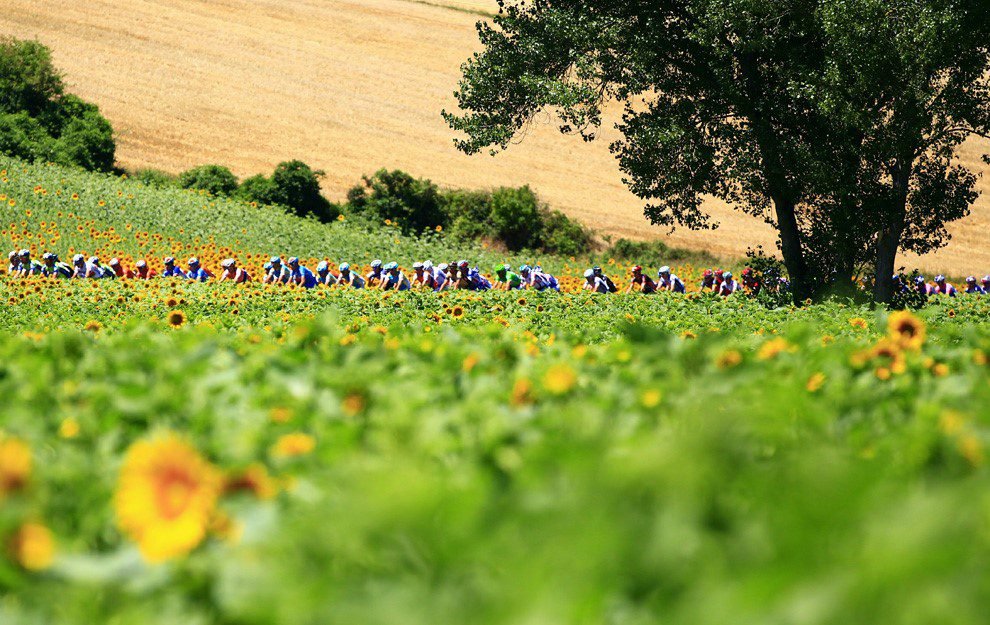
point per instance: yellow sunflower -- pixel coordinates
(559, 379)
(33, 547)
(176, 318)
(165, 497)
(15, 465)
(906, 329)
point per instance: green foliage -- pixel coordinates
(413, 204)
(87, 141)
(39, 122)
(564, 236)
(23, 136)
(257, 189)
(181, 217)
(297, 186)
(516, 218)
(155, 178)
(29, 82)
(466, 213)
(215, 179)
(293, 185)
(655, 252)
(623, 485)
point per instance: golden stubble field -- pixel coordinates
(348, 86)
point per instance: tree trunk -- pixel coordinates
(889, 239)
(790, 247)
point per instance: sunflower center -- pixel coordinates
(174, 493)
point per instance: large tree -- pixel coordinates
(761, 103)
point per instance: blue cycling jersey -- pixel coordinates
(305, 277)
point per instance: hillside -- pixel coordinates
(348, 86)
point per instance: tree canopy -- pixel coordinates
(39, 121)
(834, 120)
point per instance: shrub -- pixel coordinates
(293, 185)
(413, 204)
(656, 252)
(467, 213)
(29, 81)
(216, 179)
(39, 122)
(297, 186)
(516, 218)
(23, 136)
(565, 236)
(155, 178)
(87, 142)
(256, 189)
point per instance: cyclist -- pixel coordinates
(300, 274)
(641, 281)
(170, 270)
(668, 281)
(393, 279)
(349, 278)
(233, 273)
(197, 272)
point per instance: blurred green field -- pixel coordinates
(200, 453)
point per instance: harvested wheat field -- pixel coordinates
(347, 86)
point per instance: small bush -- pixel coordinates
(295, 185)
(215, 179)
(155, 178)
(413, 204)
(516, 218)
(257, 189)
(565, 236)
(646, 252)
(467, 213)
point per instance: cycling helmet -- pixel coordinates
(323, 267)
(294, 260)
(78, 258)
(345, 266)
(375, 264)
(589, 273)
(169, 261)
(663, 270)
(141, 264)
(228, 263)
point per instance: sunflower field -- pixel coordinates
(175, 452)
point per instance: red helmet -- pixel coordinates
(636, 269)
(747, 271)
(718, 272)
(708, 273)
